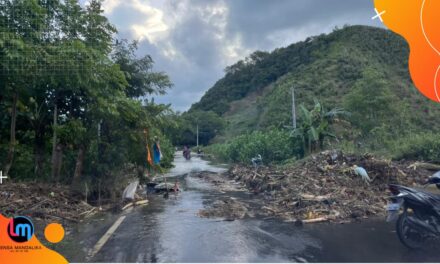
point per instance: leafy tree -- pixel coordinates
(78, 91)
(142, 81)
(185, 132)
(18, 54)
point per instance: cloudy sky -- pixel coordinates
(194, 40)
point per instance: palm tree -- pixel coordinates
(315, 126)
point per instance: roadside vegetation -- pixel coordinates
(74, 101)
(276, 145)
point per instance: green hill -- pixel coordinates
(255, 93)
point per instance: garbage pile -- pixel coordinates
(325, 187)
(43, 202)
(229, 209)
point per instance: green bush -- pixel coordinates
(273, 146)
(167, 149)
(424, 146)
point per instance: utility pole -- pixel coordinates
(197, 134)
(293, 108)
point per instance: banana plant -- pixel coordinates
(316, 126)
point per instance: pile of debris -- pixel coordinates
(43, 202)
(229, 209)
(324, 187)
(219, 182)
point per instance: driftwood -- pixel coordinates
(269, 209)
(87, 212)
(63, 217)
(315, 220)
(127, 206)
(324, 185)
(424, 165)
(44, 201)
(142, 202)
(319, 198)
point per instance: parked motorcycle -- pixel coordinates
(417, 213)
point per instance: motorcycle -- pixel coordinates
(417, 213)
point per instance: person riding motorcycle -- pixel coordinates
(186, 152)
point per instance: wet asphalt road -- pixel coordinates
(170, 231)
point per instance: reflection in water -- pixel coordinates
(183, 166)
(170, 231)
(188, 238)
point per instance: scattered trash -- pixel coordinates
(257, 161)
(133, 195)
(221, 183)
(43, 202)
(324, 186)
(130, 190)
(229, 209)
(164, 187)
(423, 165)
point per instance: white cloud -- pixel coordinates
(150, 23)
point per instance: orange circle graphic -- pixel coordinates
(54, 233)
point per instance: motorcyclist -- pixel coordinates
(186, 152)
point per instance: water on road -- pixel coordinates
(169, 230)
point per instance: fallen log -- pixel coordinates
(424, 165)
(62, 217)
(314, 198)
(142, 202)
(269, 209)
(315, 220)
(87, 212)
(127, 206)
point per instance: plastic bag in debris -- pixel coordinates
(130, 190)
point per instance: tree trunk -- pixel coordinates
(54, 141)
(79, 164)
(12, 143)
(321, 142)
(39, 145)
(309, 147)
(58, 161)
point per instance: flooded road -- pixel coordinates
(170, 231)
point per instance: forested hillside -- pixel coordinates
(362, 70)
